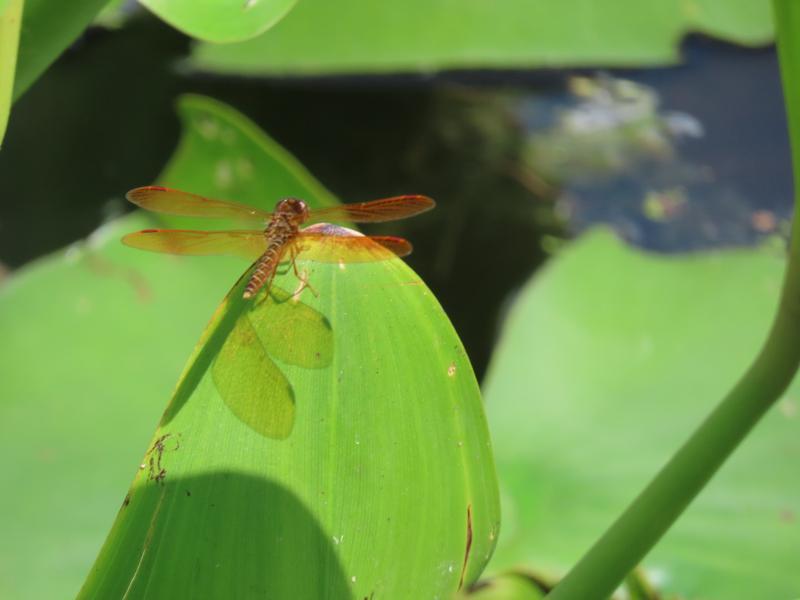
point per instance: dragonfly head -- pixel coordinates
(294, 208)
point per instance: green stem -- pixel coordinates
(629, 539)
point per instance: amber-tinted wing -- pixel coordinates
(175, 202)
(388, 209)
(248, 244)
(337, 244)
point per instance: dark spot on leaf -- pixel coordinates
(126, 501)
(188, 493)
(166, 442)
(469, 546)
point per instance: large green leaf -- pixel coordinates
(10, 22)
(221, 20)
(47, 30)
(608, 361)
(93, 342)
(366, 473)
(423, 35)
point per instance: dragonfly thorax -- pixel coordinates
(293, 209)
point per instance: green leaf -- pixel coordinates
(383, 474)
(10, 21)
(113, 15)
(608, 361)
(93, 343)
(46, 33)
(424, 35)
(221, 20)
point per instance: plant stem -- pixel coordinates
(634, 533)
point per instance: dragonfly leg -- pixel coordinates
(302, 276)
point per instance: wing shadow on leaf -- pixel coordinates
(239, 345)
(218, 535)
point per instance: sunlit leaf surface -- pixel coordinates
(221, 20)
(425, 35)
(381, 470)
(608, 361)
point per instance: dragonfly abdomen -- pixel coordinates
(265, 269)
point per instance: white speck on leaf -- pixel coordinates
(208, 128)
(73, 254)
(99, 236)
(223, 174)
(788, 408)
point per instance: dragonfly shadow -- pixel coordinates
(216, 535)
(238, 347)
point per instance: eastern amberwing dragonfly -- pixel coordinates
(281, 239)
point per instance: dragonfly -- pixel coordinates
(292, 230)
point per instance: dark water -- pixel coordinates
(734, 178)
(101, 121)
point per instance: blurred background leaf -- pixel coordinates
(221, 20)
(425, 35)
(608, 358)
(10, 22)
(46, 33)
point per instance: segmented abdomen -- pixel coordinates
(265, 269)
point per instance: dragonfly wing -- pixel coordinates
(376, 211)
(332, 244)
(248, 244)
(175, 202)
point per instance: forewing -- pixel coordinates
(375, 211)
(175, 202)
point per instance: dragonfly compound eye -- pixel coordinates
(296, 206)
